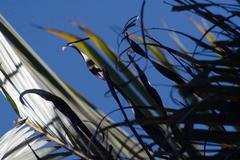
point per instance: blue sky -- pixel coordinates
(100, 16)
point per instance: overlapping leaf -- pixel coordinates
(24, 70)
(23, 143)
(117, 77)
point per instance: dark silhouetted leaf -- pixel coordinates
(168, 73)
(189, 7)
(63, 107)
(152, 91)
(136, 48)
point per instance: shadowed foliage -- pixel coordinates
(203, 124)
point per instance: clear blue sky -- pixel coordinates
(100, 16)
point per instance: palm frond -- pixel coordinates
(22, 142)
(22, 69)
(204, 125)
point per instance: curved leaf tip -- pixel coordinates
(42, 93)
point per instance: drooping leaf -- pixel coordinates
(32, 74)
(112, 56)
(168, 73)
(155, 50)
(152, 91)
(93, 68)
(117, 76)
(130, 23)
(64, 108)
(136, 48)
(112, 89)
(61, 105)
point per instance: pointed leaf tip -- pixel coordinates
(39, 27)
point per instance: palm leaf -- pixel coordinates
(23, 143)
(25, 70)
(156, 51)
(117, 77)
